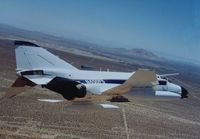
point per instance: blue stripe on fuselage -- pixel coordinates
(115, 81)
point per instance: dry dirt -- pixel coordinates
(24, 117)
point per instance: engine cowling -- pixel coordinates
(82, 91)
(69, 89)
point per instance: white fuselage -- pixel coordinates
(100, 81)
(95, 81)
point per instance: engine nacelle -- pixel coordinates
(67, 88)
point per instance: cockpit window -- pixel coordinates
(162, 82)
(164, 77)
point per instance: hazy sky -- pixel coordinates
(171, 27)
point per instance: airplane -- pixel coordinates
(37, 66)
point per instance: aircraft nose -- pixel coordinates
(184, 93)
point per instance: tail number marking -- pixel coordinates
(94, 81)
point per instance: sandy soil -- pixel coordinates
(24, 117)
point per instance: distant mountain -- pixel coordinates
(16, 33)
(140, 51)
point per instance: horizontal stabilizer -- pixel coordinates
(21, 82)
(19, 86)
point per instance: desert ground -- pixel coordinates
(24, 117)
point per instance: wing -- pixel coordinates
(31, 56)
(142, 78)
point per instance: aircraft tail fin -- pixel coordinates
(32, 56)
